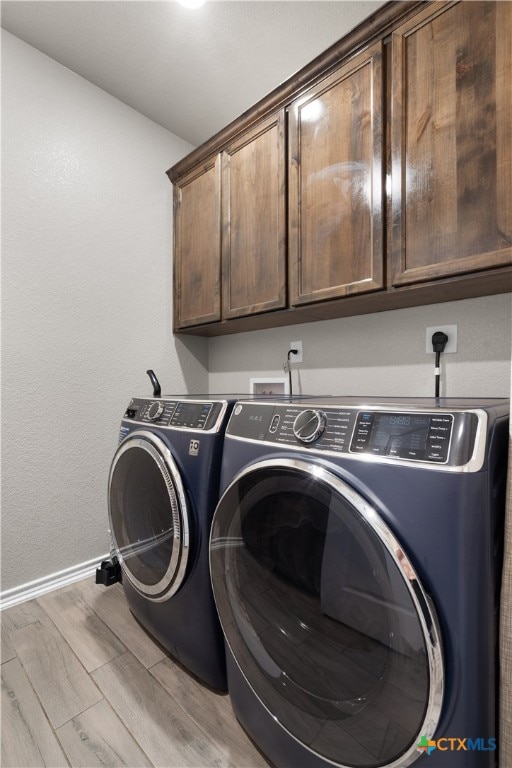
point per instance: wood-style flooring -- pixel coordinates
(84, 685)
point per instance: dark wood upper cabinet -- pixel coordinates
(254, 220)
(197, 244)
(451, 128)
(335, 177)
(377, 177)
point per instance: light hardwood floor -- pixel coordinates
(84, 685)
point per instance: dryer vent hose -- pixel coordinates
(156, 384)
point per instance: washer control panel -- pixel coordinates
(430, 437)
(179, 414)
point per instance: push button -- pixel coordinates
(274, 423)
(435, 456)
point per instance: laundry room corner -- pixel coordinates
(86, 306)
(256, 372)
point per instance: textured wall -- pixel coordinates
(379, 354)
(86, 302)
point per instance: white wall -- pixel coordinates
(381, 354)
(86, 302)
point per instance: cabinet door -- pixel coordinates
(254, 225)
(451, 141)
(197, 247)
(335, 172)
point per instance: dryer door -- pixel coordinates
(325, 616)
(148, 515)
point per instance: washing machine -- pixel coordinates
(355, 559)
(162, 489)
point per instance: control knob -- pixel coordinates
(155, 410)
(309, 425)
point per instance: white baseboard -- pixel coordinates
(48, 583)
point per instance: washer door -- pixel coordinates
(148, 514)
(325, 615)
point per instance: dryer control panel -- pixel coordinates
(418, 436)
(430, 437)
(178, 414)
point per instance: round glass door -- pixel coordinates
(325, 616)
(148, 515)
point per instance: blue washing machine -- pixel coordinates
(162, 491)
(355, 559)
(163, 488)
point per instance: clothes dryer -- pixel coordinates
(355, 558)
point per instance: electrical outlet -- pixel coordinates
(451, 332)
(298, 346)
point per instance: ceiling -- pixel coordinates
(191, 71)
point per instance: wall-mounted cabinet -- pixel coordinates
(335, 177)
(378, 177)
(254, 220)
(230, 230)
(197, 244)
(451, 126)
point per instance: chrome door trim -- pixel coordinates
(421, 600)
(173, 577)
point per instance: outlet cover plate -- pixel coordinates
(451, 332)
(298, 346)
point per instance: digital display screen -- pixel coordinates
(393, 433)
(413, 436)
(192, 415)
(399, 420)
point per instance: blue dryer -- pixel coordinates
(355, 559)
(163, 488)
